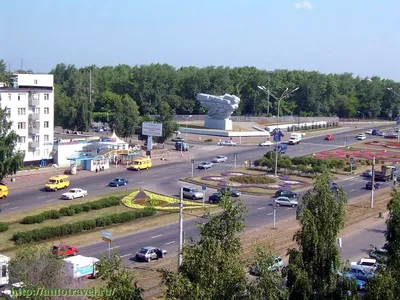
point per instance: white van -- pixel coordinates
(295, 138)
(4, 261)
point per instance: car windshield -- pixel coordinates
(117, 179)
(136, 162)
(203, 163)
(143, 251)
(72, 191)
(52, 181)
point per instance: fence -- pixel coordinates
(286, 119)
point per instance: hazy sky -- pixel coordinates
(357, 36)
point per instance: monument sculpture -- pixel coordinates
(219, 109)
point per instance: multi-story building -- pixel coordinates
(29, 99)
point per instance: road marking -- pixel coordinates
(156, 236)
(5, 204)
(270, 214)
(169, 243)
(114, 247)
(289, 208)
(126, 255)
(14, 207)
(50, 200)
(260, 208)
(155, 175)
(352, 190)
(351, 183)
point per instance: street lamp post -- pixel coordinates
(186, 121)
(266, 90)
(363, 114)
(398, 128)
(284, 95)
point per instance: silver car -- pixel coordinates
(192, 193)
(285, 201)
(148, 253)
(256, 269)
(205, 165)
(219, 159)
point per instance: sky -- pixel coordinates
(355, 36)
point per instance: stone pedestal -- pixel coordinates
(218, 124)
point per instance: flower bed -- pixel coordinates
(284, 181)
(143, 198)
(360, 155)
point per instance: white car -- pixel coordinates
(219, 159)
(74, 193)
(361, 137)
(227, 143)
(369, 131)
(366, 263)
(266, 143)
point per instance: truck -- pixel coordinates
(80, 266)
(4, 261)
(385, 174)
(295, 138)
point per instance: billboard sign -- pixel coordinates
(152, 129)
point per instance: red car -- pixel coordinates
(64, 250)
(329, 137)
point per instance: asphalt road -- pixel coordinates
(165, 178)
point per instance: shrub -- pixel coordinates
(72, 210)
(3, 227)
(208, 140)
(369, 162)
(347, 155)
(349, 168)
(252, 179)
(51, 232)
(318, 169)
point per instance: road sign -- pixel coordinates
(192, 161)
(277, 132)
(203, 187)
(352, 160)
(106, 236)
(277, 138)
(398, 121)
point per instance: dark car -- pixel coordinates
(118, 181)
(215, 198)
(285, 193)
(234, 193)
(368, 186)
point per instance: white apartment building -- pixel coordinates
(30, 101)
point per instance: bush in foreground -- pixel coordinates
(51, 232)
(3, 227)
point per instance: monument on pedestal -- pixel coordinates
(220, 108)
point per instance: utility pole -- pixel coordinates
(90, 86)
(268, 94)
(274, 215)
(180, 230)
(373, 182)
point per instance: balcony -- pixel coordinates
(34, 117)
(34, 145)
(34, 102)
(34, 130)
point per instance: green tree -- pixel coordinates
(125, 118)
(212, 268)
(313, 267)
(118, 279)
(11, 159)
(165, 117)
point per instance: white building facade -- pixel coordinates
(30, 102)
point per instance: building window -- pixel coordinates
(46, 97)
(46, 124)
(46, 151)
(21, 125)
(37, 110)
(36, 138)
(46, 110)
(8, 111)
(37, 152)
(22, 111)
(46, 137)
(19, 97)
(35, 81)
(22, 139)
(3, 271)
(9, 97)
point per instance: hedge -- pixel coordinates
(3, 227)
(51, 232)
(72, 210)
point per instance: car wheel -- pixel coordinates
(293, 205)
(148, 259)
(55, 189)
(277, 204)
(194, 197)
(124, 183)
(74, 253)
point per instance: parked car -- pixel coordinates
(256, 269)
(361, 273)
(64, 250)
(368, 186)
(381, 133)
(118, 181)
(215, 198)
(148, 253)
(329, 137)
(367, 263)
(375, 132)
(178, 139)
(266, 143)
(380, 254)
(74, 193)
(227, 143)
(285, 193)
(285, 201)
(367, 173)
(219, 159)
(191, 193)
(390, 136)
(361, 137)
(359, 283)
(233, 192)
(205, 165)
(369, 131)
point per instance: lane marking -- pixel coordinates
(169, 243)
(115, 247)
(156, 236)
(260, 208)
(351, 183)
(352, 190)
(50, 200)
(289, 208)
(5, 204)
(270, 214)
(14, 208)
(126, 255)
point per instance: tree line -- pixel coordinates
(213, 266)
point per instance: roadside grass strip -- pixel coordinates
(143, 198)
